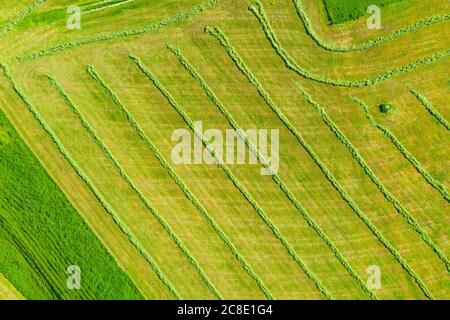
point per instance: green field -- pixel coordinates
(87, 175)
(340, 11)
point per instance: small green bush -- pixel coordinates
(385, 108)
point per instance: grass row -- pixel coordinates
(366, 44)
(93, 134)
(275, 177)
(118, 221)
(427, 104)
(180, 183)
(290, 63)
(232, 177)
(42, 233)
(180, 17)
(408, 156)
(9, 26)
(400, 209)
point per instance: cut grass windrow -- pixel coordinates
(291, 64)
(275, 177)
(369, 43)
(180, 183)
(406, 154)
(93, 134)
(180, 17)
(232, 177)
(398, 206)
(427, 104)
(12, 24)
(118, 221)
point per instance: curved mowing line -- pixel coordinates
(17, 20)
(148, 142)
(427, 104)
(93, 134)
(180, 17)
(406, 154)
(402, 211)
(232, 177)
(210, 93)
(366, 44)
(292, 64)
(118, 221)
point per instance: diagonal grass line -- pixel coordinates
(93, 134)
(180, 183)
(406, 154)
(106, 5)
(232, 177)
(22, 15)
(366, 44)
(398, 206)
(180, 17)
(116, 218)
(209, 92)
(427, 104)
(291, 64)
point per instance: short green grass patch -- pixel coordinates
(340, 11)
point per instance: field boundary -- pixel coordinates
(275, 177)
(180, 183)
(291, 64)
(366, 44)
(93, 134)
(406, 154)
(232, 177)
(180, 17)
(118, 221)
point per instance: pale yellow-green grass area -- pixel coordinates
(7, 290)
(193, 256)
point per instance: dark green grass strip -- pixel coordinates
(118, 221)
(275, 177)
(17, 20)
(369, 43)
(400, 209)
(406, 154)
(93, 134)
(180, 17)
(291, 64)
(180, 183)
(427, 104)
(232, 177)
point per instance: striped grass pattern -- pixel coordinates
(131, 184)
(264, 162)
(366, 44)
(118, 221)
(152, 147)
(291, 64)
(406, 154)
(400, 209)
(232, 177)
(180, 17)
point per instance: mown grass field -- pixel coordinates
(355, 188)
